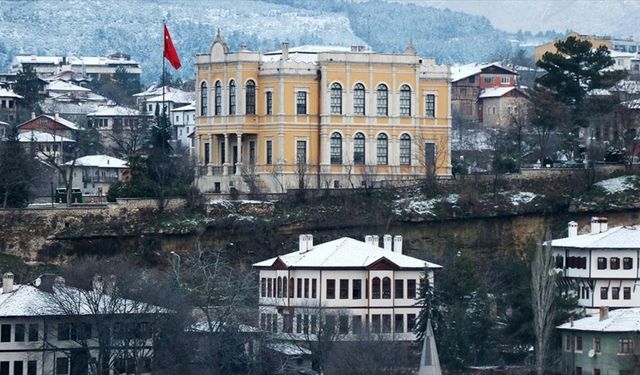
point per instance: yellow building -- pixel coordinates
(595, 40)
(315, 116)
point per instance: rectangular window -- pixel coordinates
(411, 322)
(505, 80)
(287, 323)
(301, 152)
(604, 292)
(430, 105)
(314, 288)
(344, 289)
(5, 333)
(269, 96)
(578, 343)
(314, 324)
(386, 323)
(430, 155)
(33, 332)
(488, 80)
(263, 287)
(301, 103)
(627, 263)
(305, 324)
(578, 370)
(18, 368)
(399, 289)
(398, 324)
(356, 323)
(299, 292)
(252, 152)
(567, 343)
(615, 263)
(274, 327)
(626, 292)
(62, 366)
(602, 263)
(4, 367)
(615, 293)
(32, 367)
(343, 326)
(298, 323)
(356, 289)
(596, 344)
(358, 101)
(411, 288)
(375, 323)
(269, 288)
(269, 151)
(306, 288)
(331, 289)
(330, 323)
(19, 333)
(626, 345)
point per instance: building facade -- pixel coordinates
(318, 116)
(606, 343)
(94, 174)
(9, 101)
(350, 287)
(95, 67)
(183, 120)
(602, 265)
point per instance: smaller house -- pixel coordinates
(501, 106)
(174, 98)
(606, 343)
(94, 174)
(184, 122)
(8, 105)
(114, 118)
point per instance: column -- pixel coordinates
(210, 165)
(225, 165)
(239, 154)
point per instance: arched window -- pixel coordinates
(336, 148)
(405, 149)
(375, 288)
(405, 101)
(232, 97)
(382, 100)
(218, 96)
(383, 149)
(279, 287)
(250, 98)
(358, 99)
(336, 99)
(204, 99)
(386, 288)
(358, 148)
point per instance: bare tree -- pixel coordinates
(129, 137)
(543, 302)
(62, 155)
(276, 172)
(251, 178)
(431, 154)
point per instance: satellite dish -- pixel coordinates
(37, 282)
(592, 353)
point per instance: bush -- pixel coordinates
(505, 164)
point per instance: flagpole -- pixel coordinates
(164, 43)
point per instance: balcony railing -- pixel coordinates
(105, 179)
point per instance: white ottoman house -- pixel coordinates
(344, 286)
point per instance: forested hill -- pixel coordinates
(99, 27)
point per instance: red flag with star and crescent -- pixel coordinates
(170, 51)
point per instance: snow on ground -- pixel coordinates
(415, 206)
(522, 197)
(617, 185)
(453, 198)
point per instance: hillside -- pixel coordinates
(98, 27)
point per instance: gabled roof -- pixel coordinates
(623, 237)
(4, 93)
(345, 252)
(496, 92)
(41, 137)
(188, 107)
(173, 96)
(114, 111)
(622, 320)
(65, 86)
(459, 72)
(62, 121)
(100, 161)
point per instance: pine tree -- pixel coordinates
(425, 301)
(27, 85)
(16, 172)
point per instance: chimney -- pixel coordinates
(45, 282)
(572, 229)
(375, 240)
(604, 313)
(306, 243)
(285, 50)
(387, 240)
(397, 244)
(56, 116)
(571, 321)
(368, 239)
(33, 115)
(599, 224)
(7, 282)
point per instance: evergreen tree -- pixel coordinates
(16, 172)
(27, 85)
(425, 301)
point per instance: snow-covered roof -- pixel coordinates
(459, 72)
(619, 54)
(203, 327)
(173, 96)
(628, 86)
(38, 59)
(41, 137)
(305, 53)
(4, 93)
(599, 92)
(100, 161)
(622, 320)
(155, 90)
(29, 300)
(345, 252)
(495, 92)
(633, 104)
(99, 60)
(62, 121)
(623, 237)
(65, 86)
(114, 111)
(186, 108)
(288, 348)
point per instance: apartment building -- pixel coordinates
(319, 116)
(346, 285)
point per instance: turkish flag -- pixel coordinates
(170, 51)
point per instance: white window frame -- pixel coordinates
(295, 100)
(435, 104)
